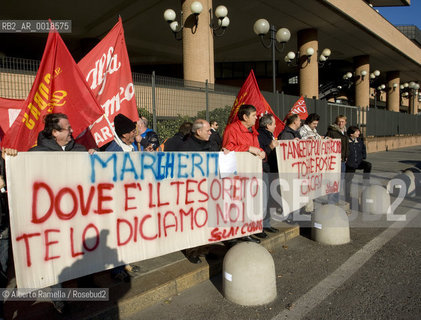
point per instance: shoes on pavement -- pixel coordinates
(132, 268)
(271, 229)
(250, 239)
(261, 235)
(194, 259)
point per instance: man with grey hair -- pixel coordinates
(146, 139)
(199, 139)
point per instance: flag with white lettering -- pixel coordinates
(107, 71)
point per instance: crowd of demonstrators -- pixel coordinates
(242, 136)
(356, 160)
(239, 136)
(146, 139)
(215, 139)
(268, 143)
(175, 142)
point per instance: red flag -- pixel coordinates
(9, 111)
(107, 70)
(299, 108)
(59, 87)
(250, 94)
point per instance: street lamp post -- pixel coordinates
(261, 28)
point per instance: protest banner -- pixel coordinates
(308, 169)
(74, 214)
(250, 94)
(107, 71)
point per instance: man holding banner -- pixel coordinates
(242, 136)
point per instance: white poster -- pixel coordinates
(74, 214)
(308, 169)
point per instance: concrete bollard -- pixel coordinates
(399, 185)
(375, 200)
(249, 277)
(330, 225)
(411, 185)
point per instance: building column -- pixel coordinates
(198, 55)
(362, 83)
(309, 71)
(412, 102)
(393, 91)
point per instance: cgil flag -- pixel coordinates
(59, 87)
(250, 94)
(106, 69)
(299, 108)
(9, 111)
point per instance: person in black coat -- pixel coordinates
(268, 143)
(199, 138)
(215, 139)
(356, 160)
(175, 142)
(290, 131)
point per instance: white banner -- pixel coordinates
(308, 169)
(73, 214)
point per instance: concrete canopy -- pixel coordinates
(349, 30)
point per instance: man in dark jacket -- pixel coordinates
(199, 139)
(290, 131)
(338, 131)
(268, 143)
(215, 139)
(175, 142)
(57, 135)
(355, 161)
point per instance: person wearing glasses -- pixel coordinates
(215, 139)
(57, 135)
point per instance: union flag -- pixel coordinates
(299, 108)
(59, 87)
(250, 94)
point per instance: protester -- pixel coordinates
(355, 160)
(175, 142)
(268, 143)
(126, 132)
(146, 139)
(309, 128)
(57, 136)
(338, 131)
(215, 139)
(290, 131)
(197, 141)
(199, 138)
(242, 136)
